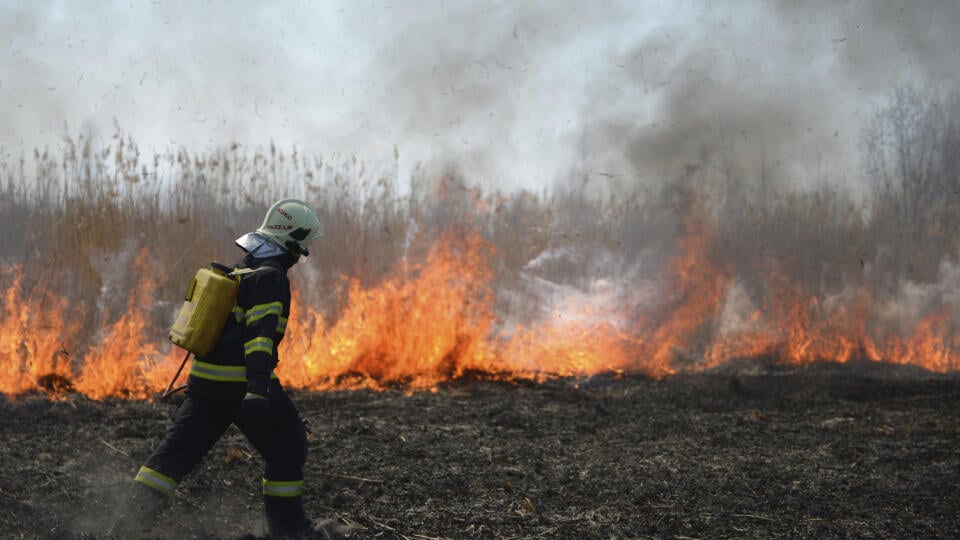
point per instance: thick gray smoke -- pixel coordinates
(787, 86)
(515, 94)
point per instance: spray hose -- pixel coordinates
(170, 389)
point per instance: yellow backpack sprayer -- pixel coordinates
(210, 298)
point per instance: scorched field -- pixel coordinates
(754, 451)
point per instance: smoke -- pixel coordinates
(783, 86)
(566, 287)
(111, 497)
(913, 301)
(516, 94)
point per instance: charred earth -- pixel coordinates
(751, 450)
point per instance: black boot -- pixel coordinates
(285, 518)
(138, 512)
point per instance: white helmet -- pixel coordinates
(292, 225)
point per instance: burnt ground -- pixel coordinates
(753, 451)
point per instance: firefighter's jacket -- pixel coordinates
(247, 348)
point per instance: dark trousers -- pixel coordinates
(201, 420)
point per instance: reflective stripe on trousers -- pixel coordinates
(157, 481)
(288, 488)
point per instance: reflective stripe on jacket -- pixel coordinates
(247, 348)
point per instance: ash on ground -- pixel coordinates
(743, 452)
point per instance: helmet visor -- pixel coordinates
(258, 245)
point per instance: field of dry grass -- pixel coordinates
(78, 218)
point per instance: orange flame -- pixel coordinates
(434, 320)
(32, 336)
(128, 362)
(694, 295)
(427, 324)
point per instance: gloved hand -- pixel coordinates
(256, 404)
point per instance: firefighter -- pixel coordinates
(235, 383)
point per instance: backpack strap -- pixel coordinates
(240, 272)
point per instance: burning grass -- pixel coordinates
(429, 280)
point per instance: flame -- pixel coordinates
(695, 286)
(434, 320)
(801, 329)
(128, 362)
(933, 345)
(428, 323)
(32, 336)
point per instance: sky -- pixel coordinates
(511, 94)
